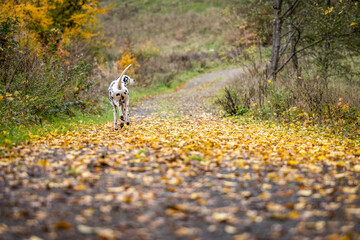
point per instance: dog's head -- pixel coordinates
(128, 81)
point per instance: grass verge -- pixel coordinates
(13, 135)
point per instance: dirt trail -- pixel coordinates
(194, 99)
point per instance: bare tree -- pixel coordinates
(276, 38)
(294, 36)
(276, 54)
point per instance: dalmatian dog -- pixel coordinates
(119, 98)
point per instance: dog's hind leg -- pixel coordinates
(121, 114)
(114, 111)
(115, 117)
(127, 111)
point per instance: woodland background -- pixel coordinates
(273, 153)
(300, 58)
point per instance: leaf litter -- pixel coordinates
(182, 178)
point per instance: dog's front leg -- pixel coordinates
(115, 116)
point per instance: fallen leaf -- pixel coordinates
(62, 225)
(106, 233)
(305, 192)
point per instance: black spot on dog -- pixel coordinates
(121, 125)
(118, 94)
(122, 118)
(122, 97)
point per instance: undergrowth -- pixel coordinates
(303, 101)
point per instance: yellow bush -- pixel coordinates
(43, 21)
(127, 58)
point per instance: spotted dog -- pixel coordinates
(119, 98)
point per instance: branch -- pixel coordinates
(294, 53)
(308, 46)
(291, 9)
(298, 37)
(286, 45)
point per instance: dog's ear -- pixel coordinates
(126, 79)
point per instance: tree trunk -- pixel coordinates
(292, 39)
(276, 38)
(324, 57)
(325, 44)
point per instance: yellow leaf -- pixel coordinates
(243, 236)
(186, 231)
(329, 10)
(274, 207)
(355, 211)
(81, 187)
(356, 168)
(106, 233)
(266, 186)
(202, 201)
(220, 216)
(293, 215)
(230, 229)
(305, 192)
(7, 141)
(350, 190)
(246, 194)
(194, 196)
(3, 228)
(33, 237)
(353, 23)
(115, 189)
(292, 162)
(43, 162)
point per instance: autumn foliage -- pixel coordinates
(128, 57)
(56, 22)
(42, 68)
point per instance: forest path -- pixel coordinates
(180, 172)
(195, 98)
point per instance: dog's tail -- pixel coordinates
(122, 74)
